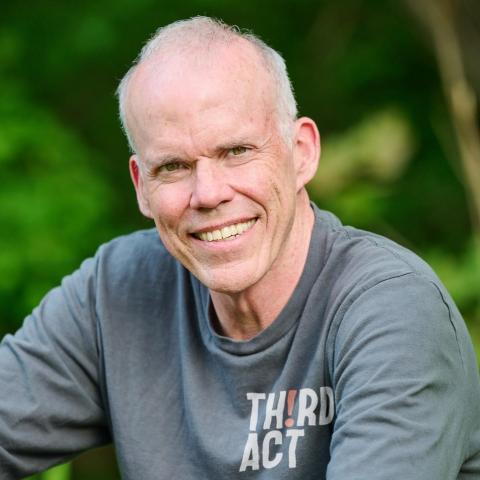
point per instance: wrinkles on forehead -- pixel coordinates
(196, 83)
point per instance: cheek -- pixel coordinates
(271, 177)
(169, 203)
(281, 188)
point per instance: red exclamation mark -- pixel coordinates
(289, 422)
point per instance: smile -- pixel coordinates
(230, 231)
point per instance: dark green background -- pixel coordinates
(364, 70)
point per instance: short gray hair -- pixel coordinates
(201, 31)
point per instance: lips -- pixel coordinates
(224, 233)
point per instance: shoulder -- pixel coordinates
(125, 271)
(136, 256)
(364, 258)
(383, 295)
(355, 261)
(135, 245)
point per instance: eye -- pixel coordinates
(170, 167)
(170, 171)
(238, 150)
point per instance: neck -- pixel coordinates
(245, 314)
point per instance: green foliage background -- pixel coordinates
(362, 69)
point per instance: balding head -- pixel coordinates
(201, 40)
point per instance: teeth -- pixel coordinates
(225, 232)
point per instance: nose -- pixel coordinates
(210, 185)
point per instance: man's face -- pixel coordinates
(211, 167)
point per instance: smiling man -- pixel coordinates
(220, 165)
(250, 334)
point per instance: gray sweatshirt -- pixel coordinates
(367, 373)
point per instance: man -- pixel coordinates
(258, 337)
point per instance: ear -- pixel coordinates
(137, 179)
(306, 150)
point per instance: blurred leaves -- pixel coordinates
(364, 71)
(376, 150)
(61, 472)
(53, 205)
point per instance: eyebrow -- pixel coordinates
(233, 143)
(162, 159)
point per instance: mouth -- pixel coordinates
(229, 232)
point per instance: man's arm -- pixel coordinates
(406, 385)
(50, 406)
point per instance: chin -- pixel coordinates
(226, 282)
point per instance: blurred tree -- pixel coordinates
(442, 19)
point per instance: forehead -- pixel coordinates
(226, 85)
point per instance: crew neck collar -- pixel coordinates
(288, 316)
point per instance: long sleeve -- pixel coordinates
(50, 406)
(403, 391)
